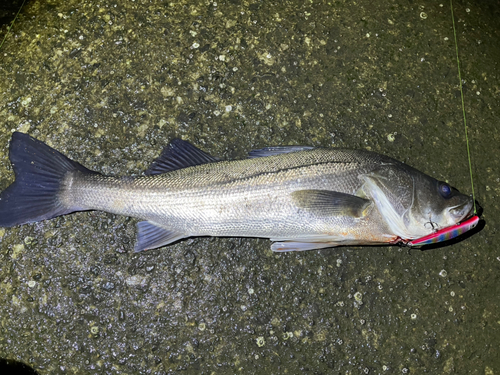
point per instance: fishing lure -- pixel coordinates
(446, 234)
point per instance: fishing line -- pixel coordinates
(463, 105)
(12, 24)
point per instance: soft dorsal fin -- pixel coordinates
(277, 150)
(177, 155)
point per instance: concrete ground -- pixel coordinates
(109, 83)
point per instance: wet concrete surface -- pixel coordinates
(110, 83)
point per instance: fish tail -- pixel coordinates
(39, 172)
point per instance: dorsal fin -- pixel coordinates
(177, 155)
(276, 150)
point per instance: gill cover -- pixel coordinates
(393, 192)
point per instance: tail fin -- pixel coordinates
(39, 171)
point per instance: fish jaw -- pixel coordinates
(461, 211)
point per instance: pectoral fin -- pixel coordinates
(150, 236)
(331, 203)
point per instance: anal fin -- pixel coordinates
(151, 236)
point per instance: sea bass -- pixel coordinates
(301, 198)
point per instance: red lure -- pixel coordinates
(446, 234)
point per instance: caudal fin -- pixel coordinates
(39, 171)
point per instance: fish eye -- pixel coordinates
(444, 190)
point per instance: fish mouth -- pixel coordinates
(462, 211)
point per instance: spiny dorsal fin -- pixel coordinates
(177, 155)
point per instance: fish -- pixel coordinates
(299, 197)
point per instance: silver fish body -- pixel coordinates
(299, 197)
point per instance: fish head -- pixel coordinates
(413, 204)
(438, 205)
